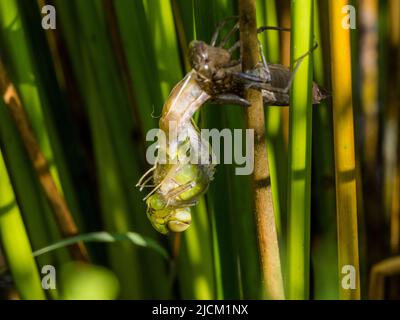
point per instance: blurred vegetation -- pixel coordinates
(94, 86)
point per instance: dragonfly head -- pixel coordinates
(165, 219)
(206, 59)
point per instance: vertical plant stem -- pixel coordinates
(25, 185)
(196, 277)
(139, 51)
(123, 67)
(392, 126)
(324, 241)
(195, 261)
(369, 87)
(277, 157)
(15, 242)
(284, 21)
(343, 128)
(263, 205)
(180, 31)
(220, 207)
(299, 174)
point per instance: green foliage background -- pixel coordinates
(92, 89)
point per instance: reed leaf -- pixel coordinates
(15, 241)
(324, 241)
(345, 166)
(102, 236)
(299, 174)
(220, 207)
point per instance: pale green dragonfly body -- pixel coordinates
(177, 183)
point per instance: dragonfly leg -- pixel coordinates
(229, 35)
(248, 78)
(266, 71)
(265, 75)
(259, 30)
(298, 63)
(256, 82)
(232, 63)
(219, 28)
(145, 185)
(229, 98)
(264, 28)
(253, 80)
(140, 182)
(235, 28)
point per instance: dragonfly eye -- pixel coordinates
(177, 226)
(199, 55)
(180, 220)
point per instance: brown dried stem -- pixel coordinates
(264, 210)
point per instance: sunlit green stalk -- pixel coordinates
(195, 269)
(163, 33)
(15, 242)
(26, 187)
(299, 175)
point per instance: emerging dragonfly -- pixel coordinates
(216, 77)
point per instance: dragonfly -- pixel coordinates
(177, 184)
